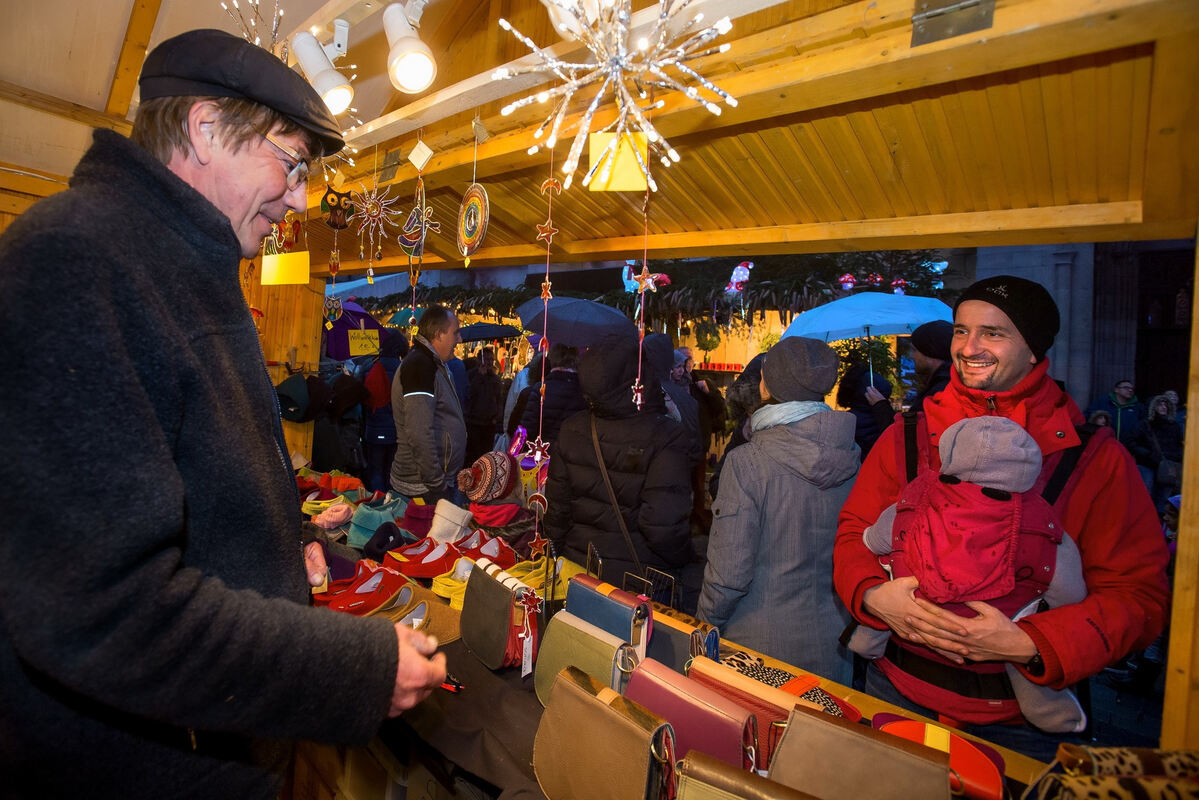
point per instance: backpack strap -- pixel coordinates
(911, 446)
(1067, 463)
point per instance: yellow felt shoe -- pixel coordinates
(452, 584)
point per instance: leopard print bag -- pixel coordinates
(1119, 773)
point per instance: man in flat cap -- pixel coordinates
(156, 635)
(938, 662)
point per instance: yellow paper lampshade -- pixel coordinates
(285, 268)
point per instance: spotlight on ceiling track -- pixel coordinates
(410, 63)
(316, 60)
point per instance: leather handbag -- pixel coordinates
(594, 744)
(703, 719)
(620, 613)
(768, 704)
(702, 777)
(675, 641)
(498, 625)
(572, 642)
(839, 760)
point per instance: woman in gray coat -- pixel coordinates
(768, 584)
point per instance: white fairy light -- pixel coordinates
(624, 69)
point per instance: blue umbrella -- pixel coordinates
(481, 331)
(572, 321)
(406, 316)
(868, 314)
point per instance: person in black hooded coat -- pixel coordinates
(647, 456)
(872, 410)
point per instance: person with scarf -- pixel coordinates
(770, 556)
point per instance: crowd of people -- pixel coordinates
(157, 634)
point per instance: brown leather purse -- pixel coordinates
(593, 744)
(840, 760)
(702, 777)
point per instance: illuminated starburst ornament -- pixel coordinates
(373, 213)
(626, 70)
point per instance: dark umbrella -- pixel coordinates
(353, 317)
(572, 321)
(481, 331)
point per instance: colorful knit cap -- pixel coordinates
(491, 477)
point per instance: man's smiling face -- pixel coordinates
(988, 351)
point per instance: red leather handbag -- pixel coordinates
(702, 719)
(769, 705)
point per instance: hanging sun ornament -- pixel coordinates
(374, 212)
(248, 23)
(625, 67)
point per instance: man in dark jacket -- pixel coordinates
(1126, 411)
(646, 457)
(430, 428)
(930, 352)
(156, 637)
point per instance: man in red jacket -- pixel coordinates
(942, 664)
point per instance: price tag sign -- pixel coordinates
(363, 343)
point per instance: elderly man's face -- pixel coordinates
(250, 186)
(988, 351)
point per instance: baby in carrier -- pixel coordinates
(978, 531)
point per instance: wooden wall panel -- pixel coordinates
(292, 318)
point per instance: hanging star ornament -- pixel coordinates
(537, 545)
(650, 281)
(547, 232)
(531, 602)
(546, 294)
(537, 450)
(626, 65)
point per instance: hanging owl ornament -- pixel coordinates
(338, 206)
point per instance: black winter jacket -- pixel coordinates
(563, 399)
(646, 453)
(155, 633)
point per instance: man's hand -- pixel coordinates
(314, 563)
(990, 636)
(894, 602)
(420, 670)
(874, 395)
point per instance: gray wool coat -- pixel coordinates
(768, 583)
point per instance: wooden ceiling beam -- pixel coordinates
(63, 108)
(133, 51)
(15, 178)
(944, 229)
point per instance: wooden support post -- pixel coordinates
(1180, 716)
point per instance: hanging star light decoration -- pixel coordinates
(626, 70)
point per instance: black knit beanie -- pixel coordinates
(933, 339)
(1027, 304)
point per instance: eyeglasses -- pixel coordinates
(297, 173)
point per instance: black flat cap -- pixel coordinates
(212, 63)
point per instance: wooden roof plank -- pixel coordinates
(1009, 132)
(882, 160)
(817, 155)
(1089, 127)
(1172, 145)
(1138, 115)
(769, 163)
(1059, 129)
(930, 115)
(800, 173)
(920, 175)
(142, 19)
(970, 120)
(854, 168)
(1043, 190)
